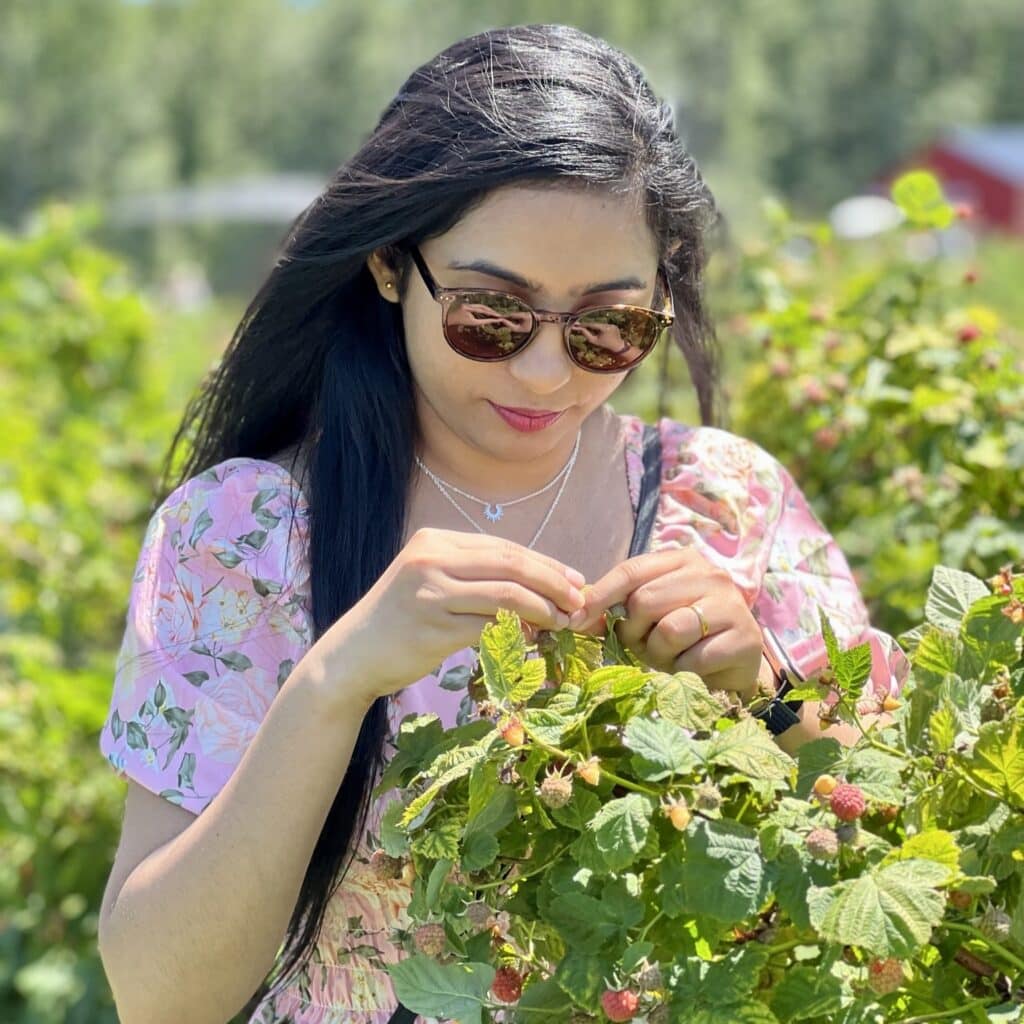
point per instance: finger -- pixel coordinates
(618, 583)
(678, 631)
(484, 597)
(511, 562)
(716, 661)
(474, 542)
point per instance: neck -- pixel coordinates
(498, 465)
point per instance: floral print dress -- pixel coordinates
(219, 616)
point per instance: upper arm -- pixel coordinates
(149, 822)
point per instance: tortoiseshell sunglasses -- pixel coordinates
(488, 325)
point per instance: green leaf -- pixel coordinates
(998, 760)
(455, 991)
(721, 873)
(660, 748)
(440, 840)
(684, 700)
(890, 911)
(585, 923)
(508, 677)
(806, 993)
(950, 594)
(544, 725)
(748, 747)
(620, 829)
(393, 840)
(581, 976)
(935, 845)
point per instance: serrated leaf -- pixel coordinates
(806, 993)
(890, 911)
(661, 749)
(544, 724)
(721, 873)
(950, 594)
(748, 748)
(683, 699)
(432, 989)
(440, 840)
(508, 677)
(620, 829)
(935, 845)
(998, 760)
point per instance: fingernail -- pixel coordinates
(575, 576)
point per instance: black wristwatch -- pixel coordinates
(779, 714)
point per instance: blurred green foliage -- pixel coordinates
(920, 386)
(895, 399)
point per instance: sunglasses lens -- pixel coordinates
(487, 325)
(611, 340)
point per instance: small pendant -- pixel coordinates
(494, 512)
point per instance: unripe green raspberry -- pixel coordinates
(556, 789)
(650, 978)
(430, 939)
(707, 796)
(994, 924)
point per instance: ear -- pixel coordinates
(384, 275)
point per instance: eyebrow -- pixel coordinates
(493, 270)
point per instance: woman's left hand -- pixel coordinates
(664, 632)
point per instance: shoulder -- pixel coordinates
(238, 525)
(719, 453)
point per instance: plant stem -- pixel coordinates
(529, 874)
(991, 943)
(929, 1017)
(650, 924)
(566, 756)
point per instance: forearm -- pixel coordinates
(809, 728)
(197, 925)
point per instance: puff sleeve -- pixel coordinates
(218, 616)
(804, 568)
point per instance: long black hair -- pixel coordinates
(318, 358)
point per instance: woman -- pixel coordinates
(375, 473)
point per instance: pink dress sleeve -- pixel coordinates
(218, 616)
(805, 568)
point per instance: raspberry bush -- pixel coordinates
(641, 852)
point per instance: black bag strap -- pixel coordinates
(647, 509)
(650, 490)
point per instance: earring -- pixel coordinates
(389, 285)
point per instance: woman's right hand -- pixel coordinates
(436, 597)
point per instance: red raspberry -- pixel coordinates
(507, 985)
(969, 332)
(385, 867)
(822, 844)
(847, 802)
(430, 939)
(885, 976)
(620, 1005)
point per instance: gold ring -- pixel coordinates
(703, 622)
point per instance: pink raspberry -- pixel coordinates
(620, 1005)
(847, 802)
(430, 939)
(885, 976)
(822, 844)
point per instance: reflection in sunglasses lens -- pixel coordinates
(492, 325)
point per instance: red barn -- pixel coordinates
(982, 166)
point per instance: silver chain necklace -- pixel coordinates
(495, 512)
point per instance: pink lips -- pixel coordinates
(519, 420)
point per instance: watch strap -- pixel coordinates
(779, 714)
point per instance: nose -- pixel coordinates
(543, 366)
